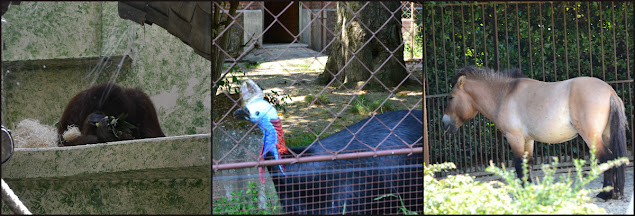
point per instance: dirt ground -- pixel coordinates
(615, 206)
(291, 72)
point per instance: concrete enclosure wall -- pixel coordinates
(168, 175)
(54, 50)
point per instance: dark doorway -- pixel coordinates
(289, 18)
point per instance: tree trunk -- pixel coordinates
(364, 50)
(220, 21)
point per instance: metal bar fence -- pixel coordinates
(334, 166)
(536, 37)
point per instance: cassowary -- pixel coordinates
(342, 186)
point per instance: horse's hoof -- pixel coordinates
(607, 195)
(604, 195)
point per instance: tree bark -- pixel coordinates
(220, 21)
(357, 44)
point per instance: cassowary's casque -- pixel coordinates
(342, 186)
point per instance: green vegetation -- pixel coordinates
(322, 99)
(460, 194)
(402, 209)
(546, 40)
(279, 104)
(549, 41)
(233, 84)
(299, 139)
(417, 47)
(303, 65)
(245, 202)
(252, 65)
(361, 101)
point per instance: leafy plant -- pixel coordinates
(547, 41)
(234, 85)
(357, 106)
(227, 83)
(417, 47)
(460, 194)
(279, 104)
(118, 125)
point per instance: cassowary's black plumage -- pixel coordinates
(347, 186)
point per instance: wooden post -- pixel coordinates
(426, 152)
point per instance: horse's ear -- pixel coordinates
(460, 81)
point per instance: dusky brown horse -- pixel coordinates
(525, 110)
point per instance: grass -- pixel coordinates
(251, 65)
(361, 103)
(302, 65)
(301, 139)
(322, 99)
(402, 209)
(245, 202)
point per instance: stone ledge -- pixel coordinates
(128, 158)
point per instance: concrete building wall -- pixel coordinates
(322, 29)
(253, 25)
(315, 36)
(305, 20)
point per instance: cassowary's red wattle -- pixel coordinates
(280, 145)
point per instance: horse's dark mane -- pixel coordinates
(487, 74)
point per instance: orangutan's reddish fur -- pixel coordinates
(109, 99)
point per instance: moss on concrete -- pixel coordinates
(151, 176)
(59, 46)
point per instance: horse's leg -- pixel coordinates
(603, 155)
(595, 132)
(529, 148)
(595, 137)
(519, 145)
(595, 118)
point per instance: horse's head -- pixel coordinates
(460, 106)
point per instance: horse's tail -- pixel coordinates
(618, 123)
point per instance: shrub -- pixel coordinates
(460, 194)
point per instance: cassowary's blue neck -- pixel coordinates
(271, 130)
(269, 137)
(266, 117)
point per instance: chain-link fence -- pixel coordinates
(317, 108)
(547, 41)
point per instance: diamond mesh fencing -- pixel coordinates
(317, 107)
